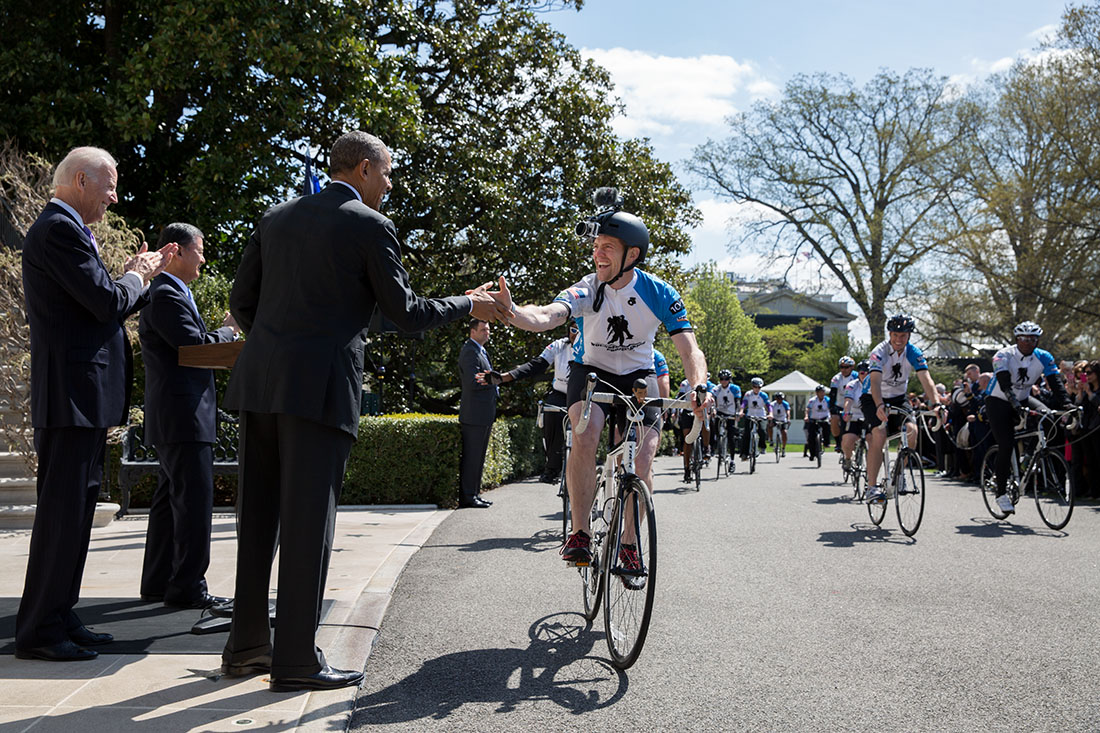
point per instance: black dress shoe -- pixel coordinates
(327, 679)
(83, 636)
(204, 601)
(255, 665)
(475, 503)
(479, 497)
(62, 651)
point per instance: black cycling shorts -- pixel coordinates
(853, 427)
(623, 383)
(870, 413)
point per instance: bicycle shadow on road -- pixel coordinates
(541, 541)
(862, 533)
(842, 499)
(556, 666)
(989, 527)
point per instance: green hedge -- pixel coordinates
(407, 459)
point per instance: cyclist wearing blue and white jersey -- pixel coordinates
(660, 370)
(891, 363)
(558, 354)
(816, 419)
(836, 395)
(851, 412)
(618, 310)
(1015, 370)
(754, 403)
(780, 418)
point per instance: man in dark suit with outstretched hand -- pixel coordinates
(181, 422)
(81, 367)
(313, 273)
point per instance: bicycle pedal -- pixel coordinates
(578, 564)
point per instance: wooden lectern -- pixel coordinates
(211, 356)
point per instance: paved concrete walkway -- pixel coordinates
(182, 691)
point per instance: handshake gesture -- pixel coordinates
(492, 305)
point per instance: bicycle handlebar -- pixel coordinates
(664, 403)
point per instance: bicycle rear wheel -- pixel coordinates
(989, 482)
(592, 576)
(909, 491)
(720, 454)
(1052, 484)
(629, 592)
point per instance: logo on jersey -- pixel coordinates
(618, 329)
(676, 307)
(631, 300)
(895, 372)
(1021, 375)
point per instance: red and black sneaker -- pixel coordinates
(575, 551)
(630, 567)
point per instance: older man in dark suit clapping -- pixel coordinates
(81, 366)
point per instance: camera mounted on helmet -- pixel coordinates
(612, 221)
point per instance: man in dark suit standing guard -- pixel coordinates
(180, 421)
(81, 366)
(311, 276)
(476, 413)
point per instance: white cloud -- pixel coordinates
(1002, 65)
(659, 89)
(1042, 34)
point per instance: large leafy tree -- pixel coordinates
(852, 175)
(499, 129)
(1027, 197)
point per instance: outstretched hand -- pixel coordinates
(492, 305)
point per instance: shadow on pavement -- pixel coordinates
(989, 527)
(863, 533)
(557, 666)
(843, 499)
(541, 541)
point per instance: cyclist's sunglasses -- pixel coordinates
(573, 329)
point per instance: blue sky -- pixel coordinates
(682, 67)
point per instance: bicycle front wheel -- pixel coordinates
(909, 491)
(630, 575)
(752, 450)
(858, 472)
(989, 482)
(720, 454)
(697, 461)
(563, 492)
(592, 576)
(1052, 483)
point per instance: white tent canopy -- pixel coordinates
(797, 386)
(796, 381)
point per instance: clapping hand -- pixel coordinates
(150, 264)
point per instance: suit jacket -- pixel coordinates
(310, 277)
(180, 402)
(81, 363)
(479, 401)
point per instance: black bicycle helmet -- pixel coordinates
(901, 323)
(778, 396)
(725, 374)
(864, 366)
(819, 388)
(757, 382)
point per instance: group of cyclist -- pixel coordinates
(614, 313)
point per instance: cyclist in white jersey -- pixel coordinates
(816, 418)
(558, 354)
(727, 401)
(836, 395)
(1015, 370)
(891, 363)
(754, 403)
(618, 309)
(851, 413)
(780, 419)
